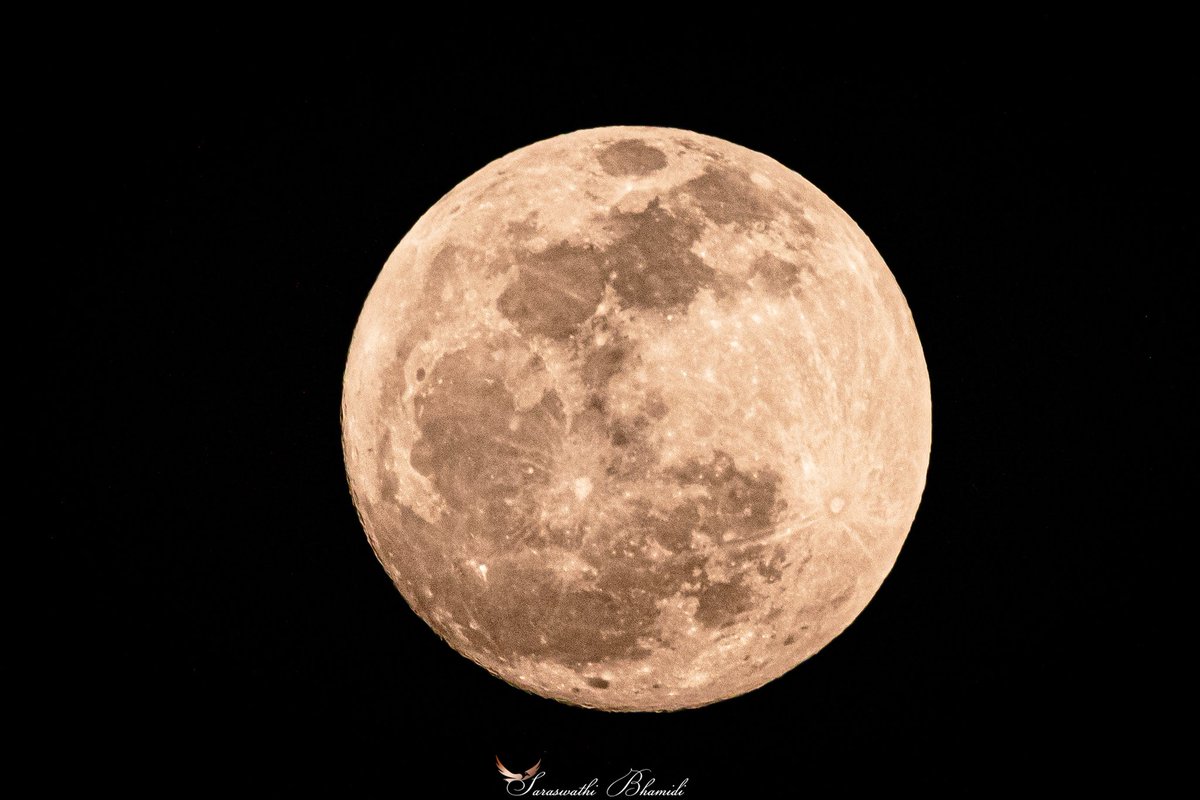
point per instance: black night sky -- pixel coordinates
(211, 616)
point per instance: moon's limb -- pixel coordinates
(636, 418)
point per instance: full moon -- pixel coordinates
(636, 419)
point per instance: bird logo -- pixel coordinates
(510, 776)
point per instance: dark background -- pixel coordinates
(212, 614)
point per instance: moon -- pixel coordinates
(636, 419)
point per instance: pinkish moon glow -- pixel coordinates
(636, 419)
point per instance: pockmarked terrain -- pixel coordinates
(636, 418)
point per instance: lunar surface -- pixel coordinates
(636, 419)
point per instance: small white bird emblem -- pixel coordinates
(509, 777)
